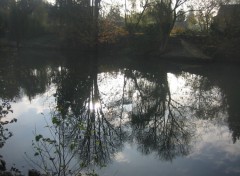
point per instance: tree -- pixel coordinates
(158, 123)
(74, 22)
(237, 1)
(191, 20)
(163, 14)
(4, 15)
(78, 22)
(112, 26)
(205, 11)
(181, 16)
(27, 19)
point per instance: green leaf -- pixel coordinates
(83, 165)
(55, 121)
(104, 165)
(38, 137)
(72, 146)
(81, 127)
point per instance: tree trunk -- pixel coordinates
(163, 44)
(96, 26)
(167, 33)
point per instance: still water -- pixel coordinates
(74, 115)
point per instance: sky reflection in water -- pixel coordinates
(166, 123)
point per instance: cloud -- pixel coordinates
(120, 157)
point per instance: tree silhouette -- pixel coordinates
(158, 125)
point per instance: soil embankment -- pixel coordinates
(182, 50)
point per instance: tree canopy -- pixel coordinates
(87, 23)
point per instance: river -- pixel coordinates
(70, 114)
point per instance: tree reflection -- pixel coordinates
(8, 93)
(215, 96)
(21, 75)
(207, 101)
(94, 128)
(230, 85)
(87, 129)
(84, 135)
(33, 81)
(157, 123)
(95, 120)
(9, 87)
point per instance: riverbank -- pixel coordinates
(221, 49)
(200, 49)
(182, 50)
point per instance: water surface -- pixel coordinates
(118, 119)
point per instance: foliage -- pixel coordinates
(205, 11)
(110, 33)
(178, 30)
(112, 27)
(4, 13)
(163, 18)
(83, 23)
(191, 20)
(225, 23)
(27, 19)
(5, 108)
(158, 18)
(75, 23)
(53, 155)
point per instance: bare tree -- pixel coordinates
(164, 14)
(205, 11)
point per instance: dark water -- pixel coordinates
(73, 113)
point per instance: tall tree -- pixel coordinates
(96, 18)
(205, 11)
(5, 6)
(78, 21)
(27, 18)
(191, 20)
(163, 14)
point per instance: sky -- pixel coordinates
(108, 1)
(107, 4)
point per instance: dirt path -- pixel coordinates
(181, 50)
(193, 51)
